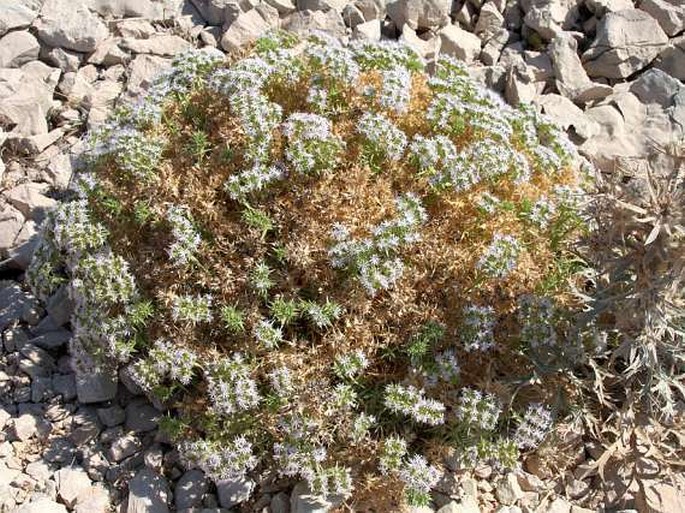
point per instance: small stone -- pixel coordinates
(159, 44)
(369, 31)
(39, 471)
(301, 501)
(27, 426)
(30, 200)
(36, 361)
(94, 388)
(123, 447)
(244, 30)
(12, 301)
(112, 416)
(558, 505)
(154, 457)
(41, 389)
(70, 483)
(459, 43)
(234, 491)
(190, 489)
(148, 492)
(60, 451)
(529, 482)
(141, 416)
(468, 505)
(508, 490)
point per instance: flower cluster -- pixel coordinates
(501, 257)
(230, 386)
(395, 91)
(281, 381)
(267, 334)
(186, 237)
(477, 329)
(192, 309)
(541, 212)
(252, 180)
(361, 425)
(219, 460)
(478, 410)
(374, 260)
(386, 56)
(419, 478)
(411, 401)
(312, 147)
(382, 140)
(393, 451)
(488, 203)
(534, 426)
(350, 365)
(136, 152)
(164, 362)
(432, 153)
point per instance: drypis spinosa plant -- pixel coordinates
(311, 250)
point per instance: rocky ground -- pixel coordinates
(609, 71)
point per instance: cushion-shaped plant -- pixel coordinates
(328, 264)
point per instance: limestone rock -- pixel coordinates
(137, 29)
(123, 447)
(234, 491)
(141, 416)
(550, 17)
(15, 15)
(95, 499)
(70, 24)
(490, 21)
(12, 301)
(284, 7)
(321, 5)
(30, 200)
(71, 482)
(214, 11)
(143, 69)
(420, 14)
(508, 491)
(26, 97)
(626, 42)
(301, 501)
(459, 43)
(672, 59)
(153, 10)
(41, 505)
(190, 489)
(369, 31)
(467, 505)
(427, 49)
(96, 387)
(18, 48)
(162, 44)
(246, 29)
(567, 115)
(304, 22)
(148, 492)
(109, 53)
(656, 86)
(11, 222)
(669, 13)
(659, 497)
(600, 7)
(371, 9)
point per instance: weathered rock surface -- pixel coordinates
(669, 13)
(459, 43)
(420, 14)
(70, 24)
(626, 42)
(148, 492)
(245, 30)
(17, 48)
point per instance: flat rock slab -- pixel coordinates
(148, 492)
(94, 388)
(71, 482)
(71, 25)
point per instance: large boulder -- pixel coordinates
(626, 42)
(150, 9)
(246, 29)
(70, 24)
(420, 14)
(18, 48)
(550, 17)
(669, 13)
(459, 43)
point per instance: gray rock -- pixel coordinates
(246, 29)
(493, 48)
(490, 21)
(124, 447)
(190, 489)
(142, 70)
(18, 48)
(154, 10)
(352, 16)
(600, 7)
(550, 17)
(371, 9)
(63, 59)
(148, 492)
(70, 483)
(36, 361)
(420, 14)
(41, 505)
(12, 301)
(213, 11)
(656, 86)
(280, 503)
(94, 388)
(304, 22)
(11, 223)
(95, 499)
(41, 389)
(26, 97)
(60, 306)
(368, 31)
(468, 505)
(459, 43)
(71, 25)
(301, 501)
(61, 451)
(26, 426)
(672, 59)
(112, 416)
(669, 13)
(284, 7)
(232, 492)
(141, 416)
(15, 15)
(626, 42)
(138, 29)
(321, 5)
(39, 471)
(508, 490)
(160, 44)
(52, 339)
(30, 200)
(64, 385)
